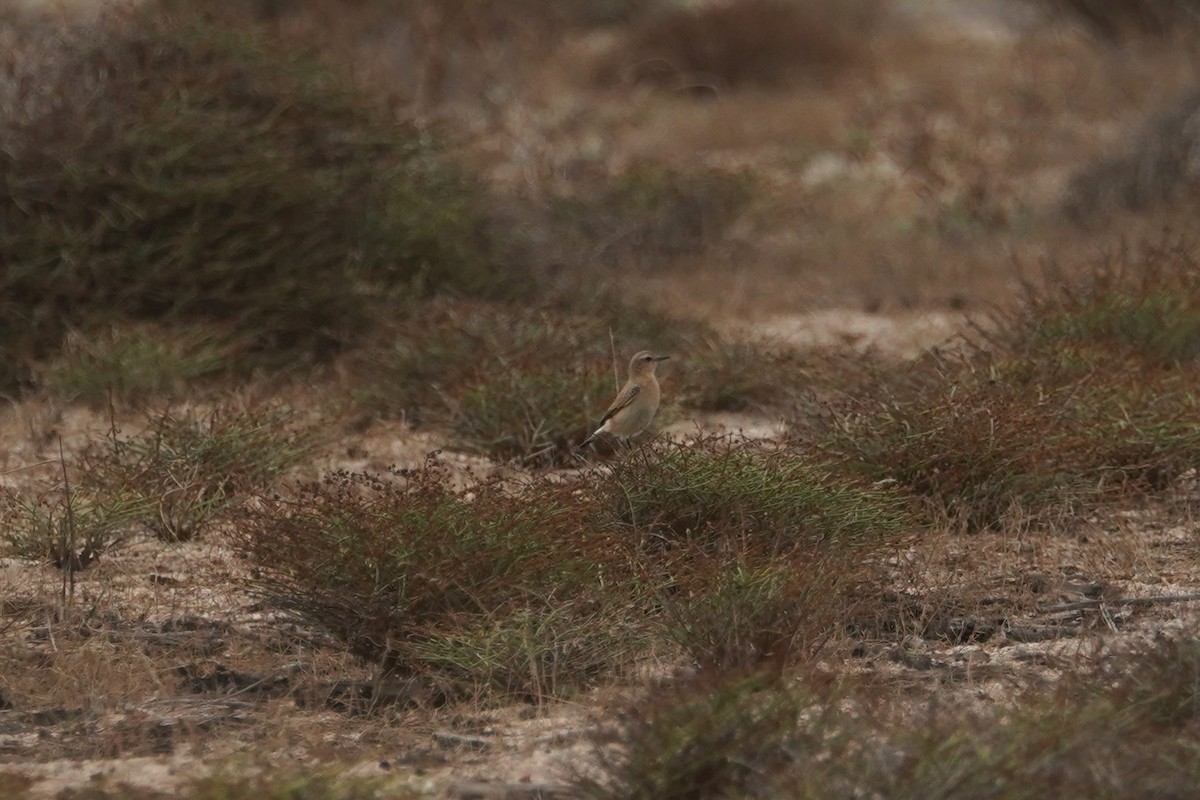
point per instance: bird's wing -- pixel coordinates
(626, 397)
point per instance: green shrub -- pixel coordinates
(727, 738)
(743, 610)
(717, 487)
(984, 447)
(166, 168)
(754, 556)
(132, 365)
(1125, 729)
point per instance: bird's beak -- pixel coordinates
(662, 358)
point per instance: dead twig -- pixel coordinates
(1124, 601)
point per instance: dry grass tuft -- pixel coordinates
(188, 470)
(1083, 396)
(178, 478)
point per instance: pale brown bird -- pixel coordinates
(637, 401)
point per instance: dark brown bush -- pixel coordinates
(1161, 166)
(1115, 20)
(745, 43)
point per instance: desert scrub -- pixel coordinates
(483, 588)
(1117, 731)
(726, 737)
(508, 381)
(744, 43)
(652, 212)
(553, 650)
(133, 365)
(529, 384)
(165, 167)
(1157, 169)
(705, 490)
(722, 374)
(1122, 20)
(1084, 395)
(1139, 303)
(245, 781)
(187, 470)
(984, 449)
(69, 527)
(754, 555)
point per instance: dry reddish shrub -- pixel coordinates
(422, 578)
(1083, 396)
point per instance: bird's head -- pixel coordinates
(644, 363)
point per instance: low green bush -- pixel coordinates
(167, 167)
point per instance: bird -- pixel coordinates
(636, 403)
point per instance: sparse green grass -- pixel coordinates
(187, 470)
(132, 365)
(70, 534)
